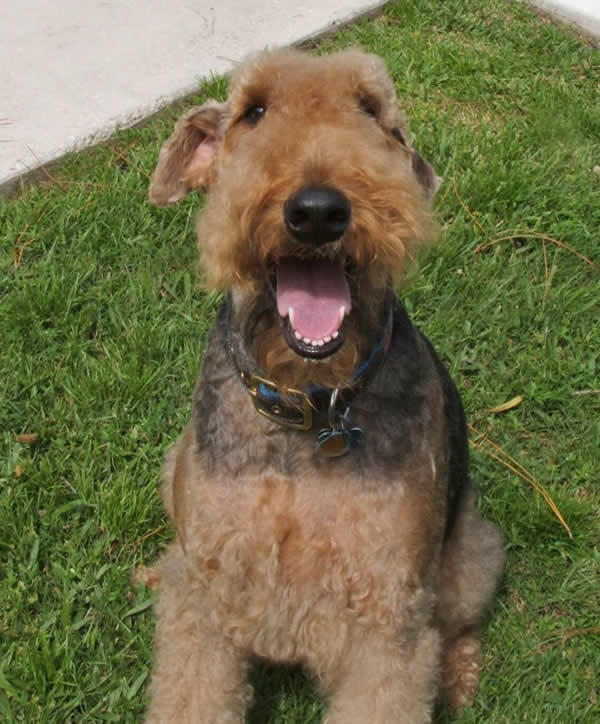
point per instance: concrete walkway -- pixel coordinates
(585, 14)
(75, 70)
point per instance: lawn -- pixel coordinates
(102, 328)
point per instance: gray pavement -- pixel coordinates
(73, 71)
(585, 14)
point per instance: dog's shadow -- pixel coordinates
(288, 694)
(283, 694)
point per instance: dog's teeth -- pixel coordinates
(291, 315)
(306, 340)
(327, 339)
(335, 334)
(297, 335)
(342, 313)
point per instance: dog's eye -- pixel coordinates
(399, 136)
(368, 106)
(254, 114)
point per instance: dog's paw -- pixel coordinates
(460, 672)
(147, 576)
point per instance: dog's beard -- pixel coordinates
(263, 332)
(287, 368)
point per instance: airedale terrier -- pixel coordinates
(321, 492)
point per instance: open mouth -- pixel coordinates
(313, 299)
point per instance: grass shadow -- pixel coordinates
(283, 693)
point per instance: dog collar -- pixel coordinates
(297, 409)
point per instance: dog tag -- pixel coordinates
(334, 443)
(337, 439)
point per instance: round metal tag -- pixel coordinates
(334, 443)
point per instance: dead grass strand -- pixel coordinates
(565, 636)
(499, 454)
(466, 209)
(540, 237)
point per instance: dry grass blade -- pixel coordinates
(19, 250)
(499, 454)
(467, 211)
(121, 155)
(561, 638)
(18, 255)
(509, 405)
(52, 179)
(151, 534)
(27, 438)
(540, 237)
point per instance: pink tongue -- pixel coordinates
(315, 289)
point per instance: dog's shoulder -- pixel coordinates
(413, 388)
(458, 443)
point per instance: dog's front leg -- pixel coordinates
(199, 677)
(387, 683)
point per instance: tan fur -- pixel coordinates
(388, 218)
(240, 231)
(275, 357)
(347, 573)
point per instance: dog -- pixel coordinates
(321, 496)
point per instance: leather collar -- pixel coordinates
(297, 409)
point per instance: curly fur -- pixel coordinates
(375, 569)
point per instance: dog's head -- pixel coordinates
(316, 196)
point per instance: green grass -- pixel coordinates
(102, 327)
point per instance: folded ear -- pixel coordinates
(186, 157)
(423, 170)
(425, 174)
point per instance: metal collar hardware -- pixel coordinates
(298, 409)
(290, 408)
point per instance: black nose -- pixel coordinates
(317, 214)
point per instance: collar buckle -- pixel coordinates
(288, 407)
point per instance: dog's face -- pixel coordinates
(315, 194)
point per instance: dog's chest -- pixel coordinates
(285, 537)
(399, 471)
(267, 493)
(290, 559)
